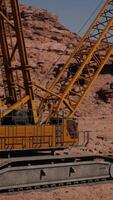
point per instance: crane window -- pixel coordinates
(72, 128)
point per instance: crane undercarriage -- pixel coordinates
(36, 173)
(42, 126)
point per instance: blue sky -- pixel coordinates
(72, 13)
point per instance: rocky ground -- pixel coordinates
(46, 41)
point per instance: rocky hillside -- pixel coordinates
(46, 39)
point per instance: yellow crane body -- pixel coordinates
(38, 137)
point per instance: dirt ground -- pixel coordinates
(99, 192)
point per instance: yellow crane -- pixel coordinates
(30, 135)
(49, 124)
(27, 127)
(73, 82)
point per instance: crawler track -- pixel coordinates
(33, 173)
(50, 186)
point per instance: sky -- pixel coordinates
(72, 13)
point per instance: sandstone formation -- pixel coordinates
(46, 39)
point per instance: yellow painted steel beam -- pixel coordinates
(15, 106)
(109, 53)
(13, 52)
(6, 19)
(50, 92)
(10, 91)
(87, 60)
(38, 95)
(45, 89)
(13, 24)
(23, 59)
(2, 103)
(68, 105)
(59, 92)
(80, 44)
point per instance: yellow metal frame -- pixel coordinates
(13, 100)
(66, 90)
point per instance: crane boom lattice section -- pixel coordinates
(82, 68)
(15, 71)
